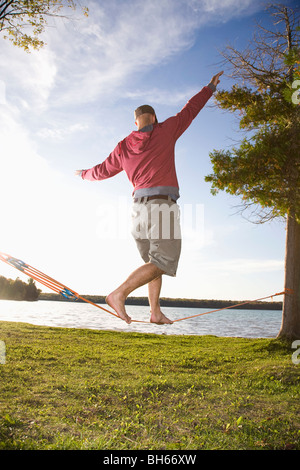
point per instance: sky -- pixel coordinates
(66, 106)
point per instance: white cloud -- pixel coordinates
(214, 10)
(60, 133)
(116, 41)
(163, 97)
(97, 57)
(103, 53)
(28, 79)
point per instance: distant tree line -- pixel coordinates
(169, 302)
(18, 290)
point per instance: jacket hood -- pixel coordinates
(138, 141)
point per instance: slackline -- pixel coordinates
(70, 294)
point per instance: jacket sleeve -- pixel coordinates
(110, 167)
(184, 118)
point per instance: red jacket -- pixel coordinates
(148, 158)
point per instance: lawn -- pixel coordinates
(88, 390)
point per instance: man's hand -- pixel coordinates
(215, 80)
(78, 172)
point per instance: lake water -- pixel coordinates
(234, 323)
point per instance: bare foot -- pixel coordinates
(159, 318)
(115, 301)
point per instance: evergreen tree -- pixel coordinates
(18, 290)
(264, 170)
(32, 292)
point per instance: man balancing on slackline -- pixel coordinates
(147, 157)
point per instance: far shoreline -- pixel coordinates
(176, 303)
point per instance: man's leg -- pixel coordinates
(138, 278)
(154, 288)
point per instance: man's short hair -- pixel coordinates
(145, 108)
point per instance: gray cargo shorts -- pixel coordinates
(156, 231)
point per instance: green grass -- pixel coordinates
(87, 389)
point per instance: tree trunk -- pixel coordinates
(290, 326)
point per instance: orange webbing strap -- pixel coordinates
(286, 291)
(96, 305)
(70, 294)
(47, 281)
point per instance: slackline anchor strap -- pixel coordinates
(69, 294)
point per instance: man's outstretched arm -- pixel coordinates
(215, 81)
(184, 118)
(110, 167)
